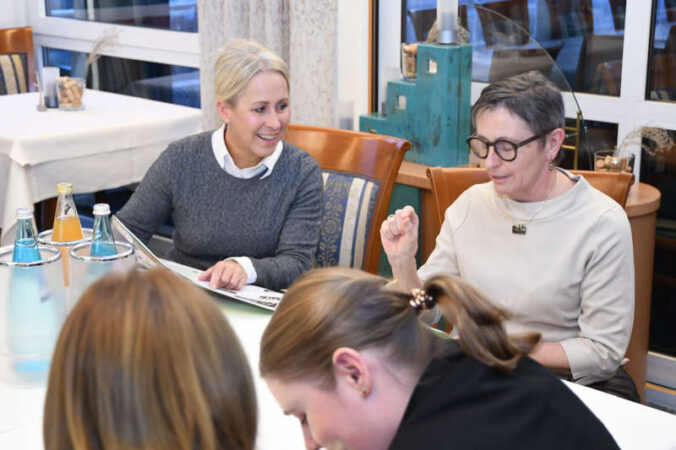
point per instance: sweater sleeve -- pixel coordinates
(150, 205)
(300, 233)
(606, 302)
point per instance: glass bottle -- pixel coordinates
(66, 221)
(103, 243)
(25, 242)
(33, 324)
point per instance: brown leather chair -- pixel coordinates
(345, 156)
(20, 40)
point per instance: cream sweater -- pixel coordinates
(570, 277)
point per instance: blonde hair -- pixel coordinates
(146, 360)
(331, 308)
(238, 63)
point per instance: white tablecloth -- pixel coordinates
(21, 407)
(632, 425)
(110, 143)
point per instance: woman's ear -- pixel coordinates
(224, 110)
(350, 370)
(555, 140)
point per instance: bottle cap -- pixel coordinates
(64, 188)
(101, 209)
(24, 213)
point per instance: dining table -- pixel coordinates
(634, 426)
(110, 143)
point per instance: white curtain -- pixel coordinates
(302, 32)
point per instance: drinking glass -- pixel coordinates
(86, 269)
(71, 92)
(64, 247)
(32, 310)
(608, 161)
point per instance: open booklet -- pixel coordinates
(254, 295)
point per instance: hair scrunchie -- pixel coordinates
(421, 300)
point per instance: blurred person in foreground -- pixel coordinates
(147, 360)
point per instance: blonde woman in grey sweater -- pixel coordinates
(246, 204)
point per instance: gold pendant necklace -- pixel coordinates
(520, 228)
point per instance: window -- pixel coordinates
(163, 82)
(177, 15)
(154, 52)
(584, 37)
(662, 62)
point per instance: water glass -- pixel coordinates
(32, 310)
(64, 247)
(86, 269)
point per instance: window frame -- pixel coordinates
(140, 43)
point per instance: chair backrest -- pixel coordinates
(16, 45)
(359, 170)
(449, 182)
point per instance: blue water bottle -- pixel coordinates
(33, 316)
(25, 243)
(103, 243)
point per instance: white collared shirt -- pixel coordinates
(264, 167)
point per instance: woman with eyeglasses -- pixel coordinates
(538, 241)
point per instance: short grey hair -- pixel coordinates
(530, 96)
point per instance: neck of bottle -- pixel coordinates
(65, 205)
(67, 226)
(25, 242)
(103, 242)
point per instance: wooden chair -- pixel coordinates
(449, 182)
(359, 170)
(19, 41)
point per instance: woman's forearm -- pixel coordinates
(551, 355)
(405, 274)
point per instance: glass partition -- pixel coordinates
(508, 49)
(584, 37)
(177, 15)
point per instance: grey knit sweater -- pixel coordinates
(274, 220)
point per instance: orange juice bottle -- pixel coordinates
(66, 221)
(67, 226)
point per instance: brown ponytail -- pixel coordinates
(326, 309)
(479, 323)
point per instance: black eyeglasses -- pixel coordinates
(506, 150)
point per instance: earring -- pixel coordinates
(551, 164)
(364, 392)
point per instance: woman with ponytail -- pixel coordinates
(349, 357)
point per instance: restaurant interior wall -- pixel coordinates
(13, 14)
